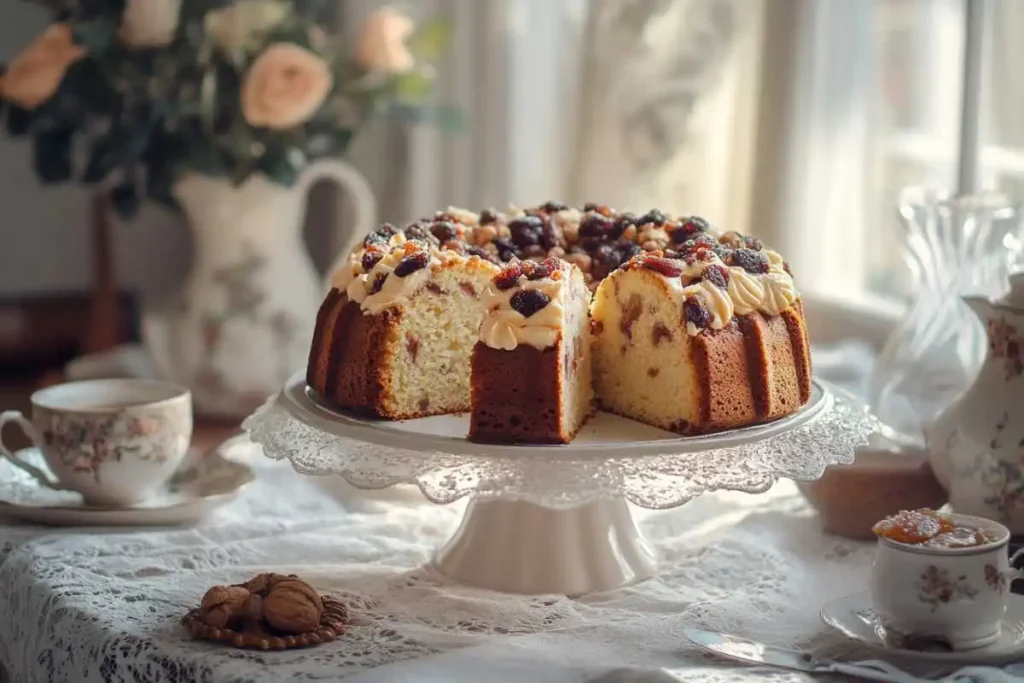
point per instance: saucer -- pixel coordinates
(203, 482)
(854, 617)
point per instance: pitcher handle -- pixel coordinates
(354, 185)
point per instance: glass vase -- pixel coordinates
(954, 246)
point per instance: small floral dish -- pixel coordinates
(204, 482)
(854, 617)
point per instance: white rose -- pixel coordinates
(234, 26)
(149, 23)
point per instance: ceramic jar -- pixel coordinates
(977, 444)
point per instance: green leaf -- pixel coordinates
(120, 146)
(414, 86)
(52, 156)
(431, 40)
(125, 199)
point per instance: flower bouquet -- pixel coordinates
(136, 93)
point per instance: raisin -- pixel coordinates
(716, 275)
(474, 250)
(411, 263)
(444, 231)
(508, 277)
(591, 206)
(621, 223)
(694, 312)
(378, 282)
(551, 235)
(553, 207)
(595, 225)
(488, 216)
(662, 265)
(749, 260)
(529, 301)
(701, 254)
(370, 259)
(753, 243)
(381, 235)
(419, 232)
(628, 250)
(653, 216)
(526, 230)
(694, 224)
(506, 249)
(540, 271)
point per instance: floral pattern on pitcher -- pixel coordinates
(938, 587)
(1006, 343)
(997, 480)
(87, 443)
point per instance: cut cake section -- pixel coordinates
(531, 368)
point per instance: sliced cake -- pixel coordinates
(394, 337)
(531, 368)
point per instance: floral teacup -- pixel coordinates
(957, 595)
(115, 441)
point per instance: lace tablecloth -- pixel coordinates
(101, 606)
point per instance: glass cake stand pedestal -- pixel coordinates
(555, 519)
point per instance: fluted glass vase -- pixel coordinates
(954, 246)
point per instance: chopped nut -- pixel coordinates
(556, 252)
(629, 233)
(484, 235)
(223, 604)
(581, 261)
(293, 606)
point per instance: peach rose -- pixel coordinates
(34, 75)
(284, 87)
(382, 42)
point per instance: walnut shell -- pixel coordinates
(262, 583)
(222, 604)
(293, 606)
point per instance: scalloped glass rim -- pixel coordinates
(604, 436)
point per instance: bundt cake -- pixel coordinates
(692, 331)
(531, 372)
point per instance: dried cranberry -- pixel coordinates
(370, 259)
(662, 265)
(411, 263)
(701, 241)
(508, 277)
(694, 312)
(595, 225)
(444, 231)
(378, 282)
(488, 216)
(526, 230)
(716, 275)
(553, 207)
(694, 224)
(381, 235)
(753, 243)
(653, 216)
(529, 301)
(749, 260)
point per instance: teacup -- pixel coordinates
(115, 441)
(957, 595)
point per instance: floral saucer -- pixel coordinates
(205, 481)
(854, 618)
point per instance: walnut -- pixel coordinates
(292, 606)
(261, 583)
(484, 235)
(223, 604)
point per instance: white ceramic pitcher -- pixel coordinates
(977, 444)
(245, 313)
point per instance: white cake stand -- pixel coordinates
(555, 519)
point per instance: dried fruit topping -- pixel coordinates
(420, 233)
(445, 217)
(474, 250)
(628, 250)
(378, 282)
(526, 230)
(694, 224)
(699, 255)
(731, 239)
(623, 221)
(913, 526)
(506, 249)
(444, 231)
(381, 235)
(695, 312)
(716, 275)
(591, 206)
(553, 207)
(529, 301)
(698, 241)
(662, 266)
(653, 216)
(410, 264)
(672, 253)
(749, 260)
(370, 258)
(753, 243)
(595, 225)
(488, 216)
(551, 235)
(509, 276)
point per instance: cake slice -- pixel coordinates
(531, 370)
(694, 344)
(394, 337)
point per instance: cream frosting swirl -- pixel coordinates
(506, 328)
(745, 291)
(779, 291)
